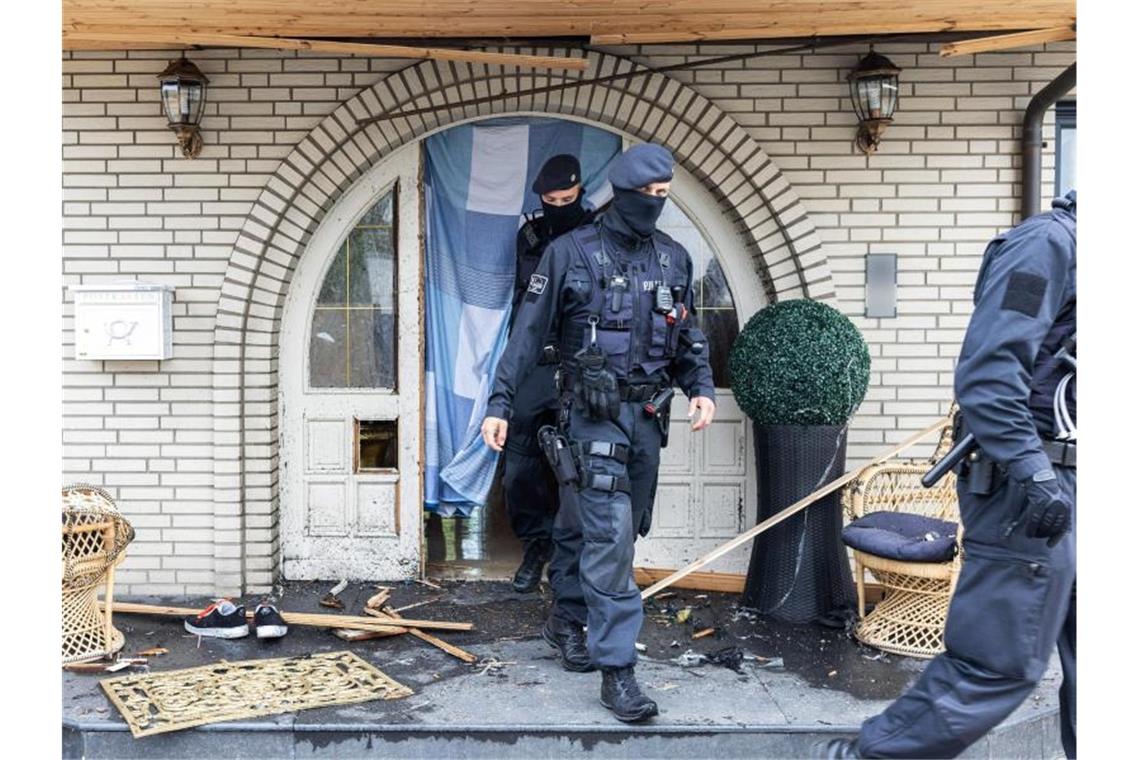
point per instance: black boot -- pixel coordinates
(622, 695)
(535, 557)
(834, 749)
(570, 641)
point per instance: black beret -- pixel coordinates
(641, 165)
(561, 172)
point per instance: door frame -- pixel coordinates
(293, 379)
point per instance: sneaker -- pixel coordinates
(221, 620)
(268, 623)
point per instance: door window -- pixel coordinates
(713, 305)
(352, 338)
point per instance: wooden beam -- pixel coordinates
(787, 512)
(439, 643)
(1008, 41)
(304, 618)
(76, 41)
(729, 583)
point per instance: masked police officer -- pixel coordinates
(1016, 596)
(530, 490)
(618, 293)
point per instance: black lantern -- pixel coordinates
(183, 90)
(874, 91)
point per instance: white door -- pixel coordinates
(706, 489)
(351, 386)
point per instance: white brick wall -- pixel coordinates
(944, 181)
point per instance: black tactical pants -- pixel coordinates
(591, 573)
(1015, 600)
(528, 484)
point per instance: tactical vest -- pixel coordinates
(638, 341)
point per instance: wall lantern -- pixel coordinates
(874, 91)
(183, 91)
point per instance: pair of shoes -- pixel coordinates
(835, 749)
(535, 556)
(622, 696)
(570, 641)
(225, 620)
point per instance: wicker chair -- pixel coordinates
(911, 617)
(95, 536)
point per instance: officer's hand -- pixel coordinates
(1049, 512)
(495, 432)
(707, 409)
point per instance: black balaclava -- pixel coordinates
(561, 219)
(638, 210)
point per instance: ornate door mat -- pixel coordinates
(155, 703)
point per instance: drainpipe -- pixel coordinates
(1031, 139)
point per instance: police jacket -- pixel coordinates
(530, 242)
(571, 286)
(1025, 307)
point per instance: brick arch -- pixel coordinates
(781, 242)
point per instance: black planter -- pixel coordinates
(799, 571)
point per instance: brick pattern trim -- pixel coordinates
(708, 142)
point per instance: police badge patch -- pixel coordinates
(537, 284)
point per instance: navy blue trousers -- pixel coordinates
(1015, 601)
(591, 573)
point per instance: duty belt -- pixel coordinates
(639, 392)
(1060, 453)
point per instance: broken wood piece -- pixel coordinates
(439, 643)
(334, 602)
(300, 618)
(356, 634)
(154, 652)
(704, 632)
(429, 584)
(415, 604)
(86, 667)
(379, 600)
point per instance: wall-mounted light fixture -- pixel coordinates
(182, 88)
(874, 92)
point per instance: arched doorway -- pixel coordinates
(779, 245)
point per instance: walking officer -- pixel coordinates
(1016, 595)
(529, 486)
(618, 294)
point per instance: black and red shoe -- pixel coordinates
(221, 620)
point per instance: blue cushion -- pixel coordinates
(903, 536)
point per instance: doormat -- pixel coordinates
(155, 703)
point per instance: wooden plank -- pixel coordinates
(1008, 41)
(787, 512)
(301, 618)
(75, 40)
(355, 634)
(555, 18)
(730, 583)
(451, 649)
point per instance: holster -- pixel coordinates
(558, 454)
(659, 408)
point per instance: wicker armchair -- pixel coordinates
(95, 536)
(911, 617)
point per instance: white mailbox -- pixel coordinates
(126, 320)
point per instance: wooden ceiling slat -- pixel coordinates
(327, 46)
(1008, 41)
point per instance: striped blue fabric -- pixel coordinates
(477, 181)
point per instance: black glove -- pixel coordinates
(1049, 512)
(597, 385)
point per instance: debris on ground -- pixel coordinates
(684, 614)
(704, 632)
(331, 599)
(154, 652)
(380, 599)
(429, 584)
(493, 666)
(640, 647)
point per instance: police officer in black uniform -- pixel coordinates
(618, 294)
(1016, 595)
(529, 486)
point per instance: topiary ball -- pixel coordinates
(799, 362)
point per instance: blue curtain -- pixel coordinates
(477, 185)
